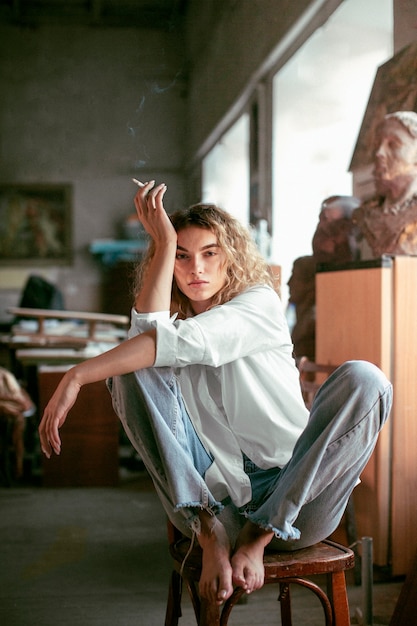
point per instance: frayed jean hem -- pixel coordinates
(193, 521)
(289, 534)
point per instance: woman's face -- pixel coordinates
(200, 266)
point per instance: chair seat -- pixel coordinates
(285, 568)
(322, 558)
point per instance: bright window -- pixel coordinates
(320, 97)
(226, 171)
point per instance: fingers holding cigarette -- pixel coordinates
(156, 194)
(140, 184)
(149, 185)
(144, 188)
(151, 212)
(148, 193)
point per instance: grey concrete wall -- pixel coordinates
(90, 107)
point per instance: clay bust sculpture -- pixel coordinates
(334, 240)
(388, 222)
(302, 294)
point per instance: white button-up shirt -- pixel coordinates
(239, 382)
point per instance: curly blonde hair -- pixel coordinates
(246, 267)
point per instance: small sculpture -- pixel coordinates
(388, 222)
(302, 295)
(335, 240)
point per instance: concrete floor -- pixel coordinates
(98, 557)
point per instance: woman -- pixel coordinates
(211, 400)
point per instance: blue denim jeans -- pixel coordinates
(302, 502)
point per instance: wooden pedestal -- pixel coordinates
(370, 313)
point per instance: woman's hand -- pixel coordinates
(155, 293)
(56, 412)
(151, 213)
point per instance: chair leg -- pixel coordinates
(173, 610)
(285, 601)
(337, 593)
(192, 587)
(238, 597)
(209, 614)
(352, 537)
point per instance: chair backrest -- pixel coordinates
(312, 376)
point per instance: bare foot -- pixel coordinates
(248, 558)
(216, 574)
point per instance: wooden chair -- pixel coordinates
(281, 568)
(284, 568)
(312, 375)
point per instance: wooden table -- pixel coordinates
(78, 327)
(90, 436)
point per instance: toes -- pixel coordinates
(250, 584)
(239, 581)
(222, 596)
(249, 581)
(224, 590)
(216, 593)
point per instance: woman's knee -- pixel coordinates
(356, 384)
(364, 381)
(363, 374)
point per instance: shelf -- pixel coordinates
(112, 251)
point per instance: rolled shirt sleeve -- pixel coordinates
(250, 323)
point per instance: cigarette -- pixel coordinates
(138, 183)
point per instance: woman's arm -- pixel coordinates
(155, 294)
(137, 353)
(140, 351)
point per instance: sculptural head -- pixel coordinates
(395, 157)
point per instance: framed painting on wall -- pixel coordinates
(35, 224)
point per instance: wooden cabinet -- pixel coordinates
(369, 311)
(90, 437)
